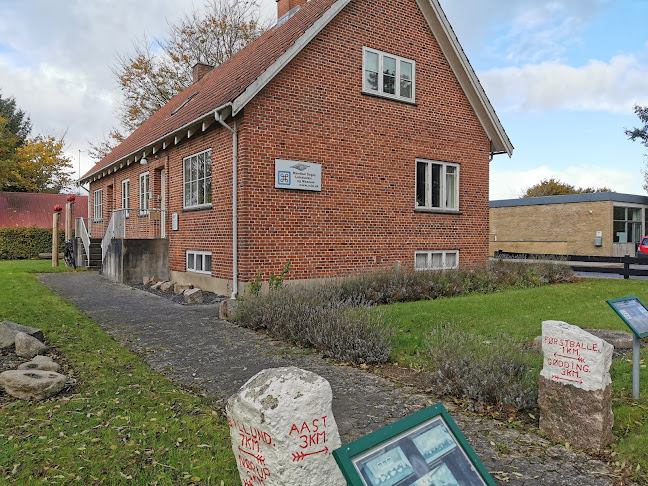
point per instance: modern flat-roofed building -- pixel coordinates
(602, 224)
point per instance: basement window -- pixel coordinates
(388, 75)
(436, 260)
(199, 261)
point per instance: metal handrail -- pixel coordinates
(134, 223)
(80, 231)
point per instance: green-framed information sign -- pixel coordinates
(424, 449)
(633, 312)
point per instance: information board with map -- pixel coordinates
(633, 312)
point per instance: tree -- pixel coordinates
(39, 165)
(16, 121)
(149, 77)
(554, 187)
(641, 134)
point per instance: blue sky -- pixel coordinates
(563, 76)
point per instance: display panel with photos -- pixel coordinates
(633, 312)
(425, 449)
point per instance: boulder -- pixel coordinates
(8, 331)
(32, 384)
(28, 346)
(180, 288)
(283, 431)
(148, 280)
(618, 339)
(167, 286)
(156, 285)
(193, 296)
(582, 418)
(574, 390)
(44, 363)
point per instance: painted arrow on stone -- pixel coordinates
(259, 458)
(582, 360)
(555, 377)
(298, 456)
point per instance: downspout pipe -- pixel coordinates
(219, 119)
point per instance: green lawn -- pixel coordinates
(519, 313)
(121, 424)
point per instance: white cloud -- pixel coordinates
(613, 86)
(523, 30)
(510, 184)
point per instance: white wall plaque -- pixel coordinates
(294, 174)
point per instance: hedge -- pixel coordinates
(21, 243)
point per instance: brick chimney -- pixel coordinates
(199, 70)
(285, 6)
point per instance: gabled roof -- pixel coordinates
(28, 209)
(229, 87)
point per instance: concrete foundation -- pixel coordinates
(129, 261)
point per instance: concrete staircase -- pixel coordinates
(95, 254)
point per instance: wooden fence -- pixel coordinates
(617, 265)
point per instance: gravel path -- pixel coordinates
(193, 347)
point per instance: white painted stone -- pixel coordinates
(283, 431)
(575, 357)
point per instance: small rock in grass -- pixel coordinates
(8, 331)
(32, 384)
(43, 363)
(28, 346)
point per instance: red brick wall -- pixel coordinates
(203, 230)
(364, 216)
(314, 111)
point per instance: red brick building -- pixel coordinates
(351, 135)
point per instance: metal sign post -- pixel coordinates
(635, 314)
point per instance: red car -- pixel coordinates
(642, 249)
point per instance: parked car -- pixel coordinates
(642, 249)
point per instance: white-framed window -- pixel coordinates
(437, 185)
(196, 177)
(388, 75)
(199, 261)
(97, 205)
(144, 193)
(436, 260)
(125, 195)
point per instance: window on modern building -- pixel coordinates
(437, 185)
(436, 260)
(627, 225)
(196, 176)
(144, 193)
(97, 205)
(388, 75)
(199, 261)
(125, 196)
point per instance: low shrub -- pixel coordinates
(23, 243)
(309, 316)
(502, 372)
(388, 286)
(333, 316)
